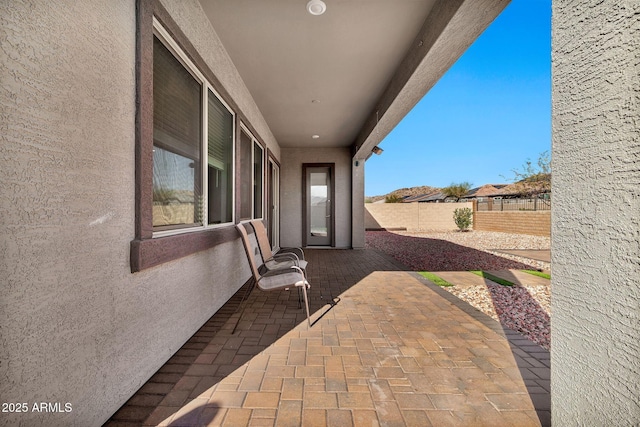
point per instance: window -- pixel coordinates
(258, 171)
(192, 175)
(186, 156)
(251, 176)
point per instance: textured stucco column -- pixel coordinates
(357, 204)
(595, 357)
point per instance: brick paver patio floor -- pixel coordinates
(396, 350)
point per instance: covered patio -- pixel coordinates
(396, 350)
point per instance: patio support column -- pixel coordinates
(595, 240)
(357, 203)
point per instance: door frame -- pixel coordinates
(273, 176)
(332, 196)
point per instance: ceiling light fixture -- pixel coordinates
(377, 150)
(315, 136)
(316, 7)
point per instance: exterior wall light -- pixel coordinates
(377, 150)
(316, 7)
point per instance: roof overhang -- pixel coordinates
(351, 74)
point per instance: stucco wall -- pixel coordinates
(412, 216)
(291, 192)
(357, 204)
(595, 360)
(536, 223)
(77, 326)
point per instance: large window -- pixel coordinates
(192, 145)
(186, 153)
(251, 176)
(258, 173)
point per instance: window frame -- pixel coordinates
(262, 180)
(147, 250)
(255, 143)
(205, 87)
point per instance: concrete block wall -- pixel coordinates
(391, 215)
(412, 216)
(536, 223)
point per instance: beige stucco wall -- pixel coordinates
(595, 357)
(357, 204)
(413, 216)
(291, 192)
(76, 325)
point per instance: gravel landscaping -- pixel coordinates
(525, 309)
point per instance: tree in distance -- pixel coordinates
(533, 179)
(457, 191)
(393, 198)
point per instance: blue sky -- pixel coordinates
(485, 117)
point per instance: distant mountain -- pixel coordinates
(537, 184)
(406, 192)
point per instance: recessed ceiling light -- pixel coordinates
(316, 7)
(315, 136)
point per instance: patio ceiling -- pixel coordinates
(346, 73)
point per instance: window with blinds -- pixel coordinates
(246, 176)
(192, 172)
(251, 177)
(258, 172)
(177, 126)
(220, 161)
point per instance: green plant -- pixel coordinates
(538, 273)
(435, 279)
(493, 278)
(534, 179)
(393, 198)
(457, 191)
(463, 218)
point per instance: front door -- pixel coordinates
(319, 207)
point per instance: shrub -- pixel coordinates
(393, 198)
(462, 218)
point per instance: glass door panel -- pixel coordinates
(319, 220)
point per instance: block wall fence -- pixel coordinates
(439, 217)
(537, 223)
(412, 216)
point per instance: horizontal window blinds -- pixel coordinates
(177, 118)
(220, 134)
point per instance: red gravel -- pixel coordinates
(429, 254)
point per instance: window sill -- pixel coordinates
(147, 253)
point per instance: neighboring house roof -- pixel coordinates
(439, 196)
(412, 199)
(420, 197)
(486, 190)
